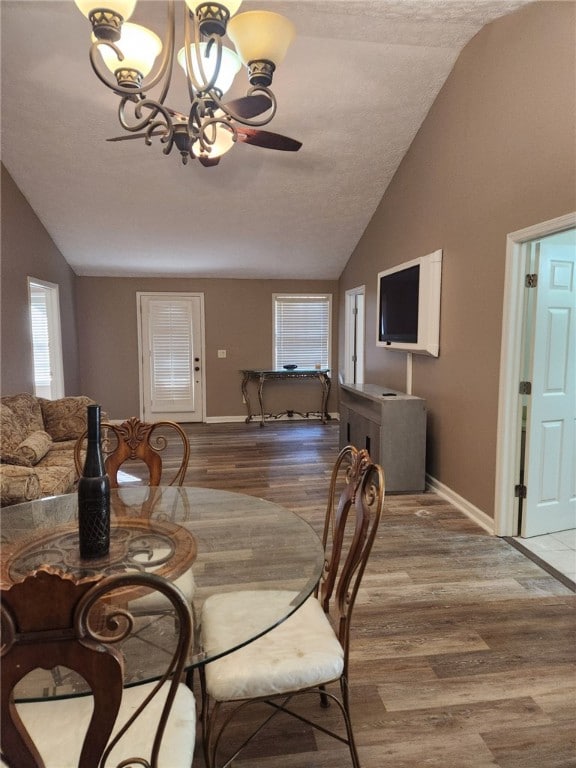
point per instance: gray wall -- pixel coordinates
(100, 339)
(28, 251)
(238, 318)
(495, 154)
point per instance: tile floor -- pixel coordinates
(556, 549)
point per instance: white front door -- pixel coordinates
(171, 339)
(550, 461)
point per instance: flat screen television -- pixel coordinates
(409, 305)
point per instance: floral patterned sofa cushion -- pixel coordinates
(65, 419)
(34, 447)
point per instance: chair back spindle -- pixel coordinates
(355, 503)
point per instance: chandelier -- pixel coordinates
(123, 56)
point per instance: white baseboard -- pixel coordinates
(474, 513)
(256, 419)
(224, 419)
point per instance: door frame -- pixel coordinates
(350, 299)
(171, 294)
(509, 425)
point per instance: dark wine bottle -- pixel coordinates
(94, 495)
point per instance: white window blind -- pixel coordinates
(171, 352)
(302, 330)
(40, 336)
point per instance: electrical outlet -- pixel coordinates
(221, 353)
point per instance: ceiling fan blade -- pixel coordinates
(267, 139)
(128, 137)
(250, 106)
(208, 162)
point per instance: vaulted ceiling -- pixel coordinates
(354, 89)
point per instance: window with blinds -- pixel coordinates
(302, 330)
(46, 339)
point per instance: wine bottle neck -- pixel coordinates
(93, 421)
(94, 463)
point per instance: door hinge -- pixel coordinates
(520, 491)
(525, 388)
(531, 280)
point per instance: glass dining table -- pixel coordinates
(207, 541)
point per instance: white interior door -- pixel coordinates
(550, 461)
(171, 338)
(354, 340)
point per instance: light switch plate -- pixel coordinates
(221, 353)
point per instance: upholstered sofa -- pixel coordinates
(37, 439)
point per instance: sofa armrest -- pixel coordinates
(18, 484)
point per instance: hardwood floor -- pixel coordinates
(463, 652)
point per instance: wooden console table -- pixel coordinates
(298, 374)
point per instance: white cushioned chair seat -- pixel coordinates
(156, 601)
(301, 652)
(58, 728)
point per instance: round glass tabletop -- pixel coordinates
(206, 541)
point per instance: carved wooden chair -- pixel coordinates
(52, 619)
(134, 440)
(311, 648)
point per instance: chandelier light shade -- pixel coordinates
(141, 65)
(124, 8)
(229, 65)
(139, 46)
(261, 37)
(107, 17)
(212, 16)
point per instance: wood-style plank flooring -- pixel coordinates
(463, 652)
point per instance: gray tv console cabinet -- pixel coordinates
(392, 426)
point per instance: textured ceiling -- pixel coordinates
(354, 88)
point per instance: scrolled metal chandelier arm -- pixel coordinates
(207, 84)
(167, 55)
(148, 122)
